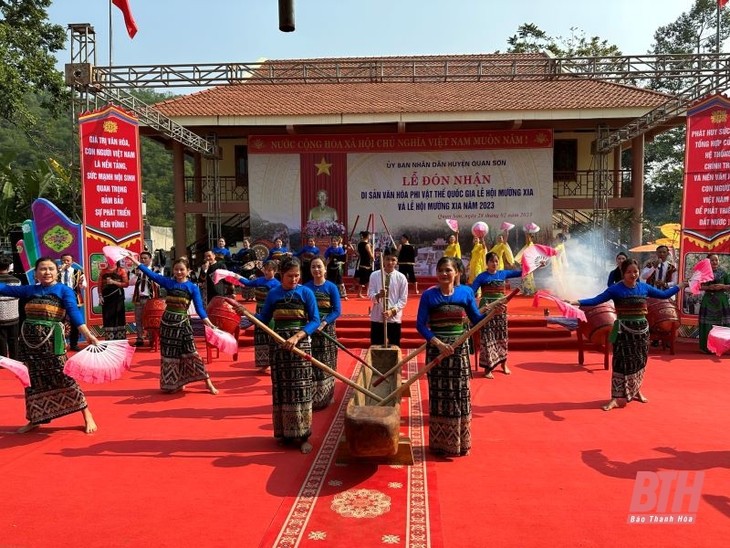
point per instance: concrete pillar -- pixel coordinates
(200, 227)
(637, 180)
(178, 184)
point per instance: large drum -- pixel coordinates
(152, 313)
(222, 315)
(600, 320)
(662, 315)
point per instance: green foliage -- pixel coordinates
(532, 39)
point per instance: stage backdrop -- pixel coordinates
(410, 182)
(706, 211)
(112, 198)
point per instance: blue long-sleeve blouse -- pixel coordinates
(171, 285)
(63, 292)
(298, 305)
(432, 300)
(328, 300)
(621, 291)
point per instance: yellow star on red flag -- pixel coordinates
(323, 167)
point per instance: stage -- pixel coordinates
(547, 467)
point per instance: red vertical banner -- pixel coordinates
(323, 185)
(111, 191)
(706, 204)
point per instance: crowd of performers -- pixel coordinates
(304, 315)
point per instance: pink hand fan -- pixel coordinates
(453, 224)
(114, 253)
(701, 273)
(16, 368)
(227, 275)
(567, 310)
(104, 362)
(535, 256)
(222, 340)
(718, 340)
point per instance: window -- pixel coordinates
(565, 159)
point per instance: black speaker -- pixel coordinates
(286, 15)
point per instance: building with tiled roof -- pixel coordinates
(411, 95)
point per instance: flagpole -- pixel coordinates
(110, 33)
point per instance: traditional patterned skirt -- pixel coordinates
(494, 342)
(323, 383)
(114, 315)
(714, 310)
(51, 393)
(181, 363)
(291, 388)
(261, 346)
(449, 401)
(630, 353)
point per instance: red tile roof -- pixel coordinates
(438, 84)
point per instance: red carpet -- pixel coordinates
(547, 467)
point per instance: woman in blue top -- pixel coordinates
(306, 254)
(293, 308)
(278, 252)
(324, 349)
(442, 317)
(42, 347)
(261, 287)
(615, 275)
(494, 335)
(181, 363)
(630, 336)
(335, 257)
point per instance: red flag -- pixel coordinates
(721, 3)
(128, 19)
(536, 255)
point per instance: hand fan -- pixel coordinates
(534, 256)
(701, 273)
(222, 340)
(101, 363)
(227, 275)
(16, 368)
(718, 341)
(115, 253)
(568, 310)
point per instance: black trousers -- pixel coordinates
(376, 333)
(9, 340)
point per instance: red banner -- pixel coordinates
(112, 197)
(706, 205)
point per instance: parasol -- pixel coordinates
(506, 227)
(646, 248)
(453, 224)
(531, 228)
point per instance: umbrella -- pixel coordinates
(669, 242)
(646, 248)
(671, 230)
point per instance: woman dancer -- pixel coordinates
(111, 290)
(528, 282)
(714, 307)
(630, 336)
(294, 310)
(261, 286)
(181, 363)
(615, 275)
(336, 256)
(494, 335)
(477, 260)
(323, 348)
(503, 251)
(441, 319)
(42, 348)
(306, 254)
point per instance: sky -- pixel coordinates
(246, 31)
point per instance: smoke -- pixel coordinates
(584, 272)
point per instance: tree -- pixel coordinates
(27, 64)
(532, 39)
(693, 31)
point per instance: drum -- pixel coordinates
(599, 322)
(222, 315)
(661, 314)
(152, 313)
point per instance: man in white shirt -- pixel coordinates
(75, 279)
(144, 290)
(661, 272)
(388, 301)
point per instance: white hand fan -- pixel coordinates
(114, 253)
(16, 368)
(101, 363)
(222, 340)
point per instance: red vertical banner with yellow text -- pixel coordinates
(706, 205)
(111, 191)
